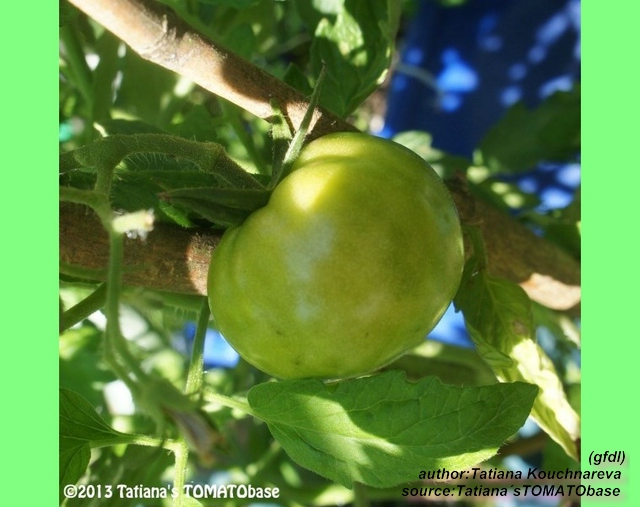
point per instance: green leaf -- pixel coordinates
(523, 138)
(221, 216)
(382, 430)
(241, 40)
(564, 229)
(559, 324)
(73, 460)
(175, 214)
(81, 363)
(156, 162)
(104, 75)
(452, 364)
(66, 12)
(421, 143)
(355, 40)
(129, 127)
(198, 124)
(144, 101)
(114, 466)
(237, 198)
(222, 206)
(132, 192)
(209, 157)
(142, 189)
(170, 179)
(295, 77)
(80, 421)
(499, 319)
(79, 424)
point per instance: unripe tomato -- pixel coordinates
(352, 262)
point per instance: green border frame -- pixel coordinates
(610, 182)
(610, 189)
(30, 251)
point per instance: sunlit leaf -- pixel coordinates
(499, 319)
(355, 40)
(375, 430)
(421, 143)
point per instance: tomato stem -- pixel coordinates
(182, 458)
(142, 440)
(196, 365)
(116, 348)
(298, 139)
(229, 402)
(360, 497)
(477, 242)
(84, 308)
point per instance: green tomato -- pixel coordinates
(352, 262)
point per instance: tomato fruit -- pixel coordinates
(352, 262)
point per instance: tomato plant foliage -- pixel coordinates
(385, 421)
(145, 150)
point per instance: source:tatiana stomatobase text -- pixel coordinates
(481, 482)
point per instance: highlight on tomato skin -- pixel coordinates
(354, 259)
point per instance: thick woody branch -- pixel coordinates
(157, 34)
(548, 274)
(170, 259)
(174, 259)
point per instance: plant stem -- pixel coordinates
(196, 366)
(77, 271)
(179, 448)
(84, 308)
(360, 497)
(103, 183)
(116, 348)
(525, 446)
(143, 440)
(182, 460)
(301, 133)
(78, 196)
(478, 246)
(226, 401)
